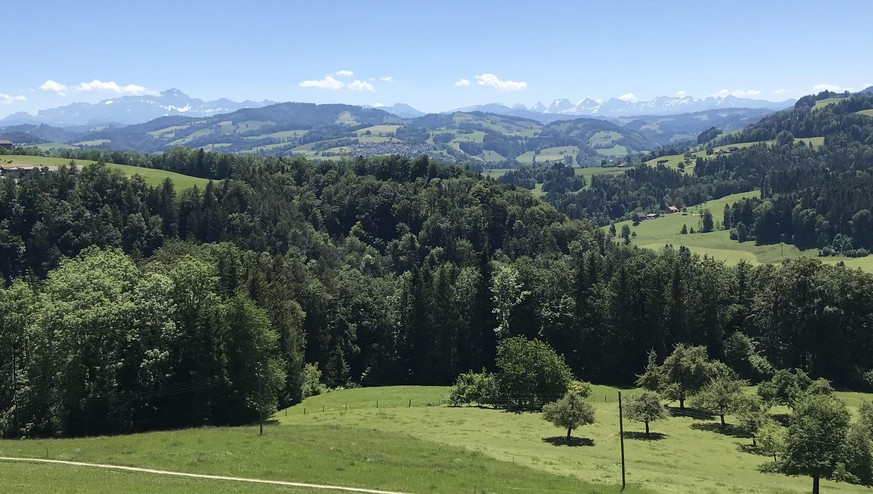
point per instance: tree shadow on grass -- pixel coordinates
(752, 450)
(642, 436)
(727, 430)
(572, 442)
(782, 418)
(694, 413)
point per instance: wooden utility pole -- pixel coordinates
(621, 435)
(260, 402)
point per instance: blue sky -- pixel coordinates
(435, 56)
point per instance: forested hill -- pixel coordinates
(474, 139)
(131, 307)
(813, 165)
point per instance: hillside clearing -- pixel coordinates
(657, 233)
(152, 176)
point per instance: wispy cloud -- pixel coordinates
(386, 78)
(781, 90)
(96, 86)
(738, 93)
(681, 93)
(629, 97)
(358, 85)
(54, 87)
(491, 80)
(462, 83)
(113, 87)
(826, 87)
(328, 82)
(331, 82)
(8, 99)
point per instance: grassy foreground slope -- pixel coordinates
(53, 479)
(312, 453)
(655, 234)
(152, 176)
(686, 454)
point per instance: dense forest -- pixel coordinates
(162, 308)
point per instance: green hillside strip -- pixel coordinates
(152, 176)
(867, 113)
(655, 234)
(828, 101)
(311, 453)
(590, 171)
(51, 479)
(673, 160)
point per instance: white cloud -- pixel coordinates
(344, 73)
(681, 93)
(462, 83)
(55, 87)
(328, 82)
(378, 105)
(491, 80)
(386, 78)
(867, 84)
(826, 87)
(629, 97)
(113, 87)
(7, 99)
(781, 90)
(358, 85)
(738, 93)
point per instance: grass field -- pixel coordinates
(321, 451)
(495, 172)
(52, 479)
(655, 234)
(342, 438)
(690, 455)
(590, 171)
(550, 154)
(50, 146)
(151, 176)
(603, 138)
(614, 151)
(827, 101)
(673, 160)
(868, 113)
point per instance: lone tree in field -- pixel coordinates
(684, 372)
(722, 395)
(570, 412)
(531, 373)
(646, 407)
(815, 438)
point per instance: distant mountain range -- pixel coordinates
(324, 131)
(561, 109)
(128, 110)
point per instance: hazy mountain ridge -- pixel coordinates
(127, 110)
(616, 107)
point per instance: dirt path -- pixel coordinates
(200, 476)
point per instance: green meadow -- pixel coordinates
(405, 438)
(152, 176)
(684, 455)
(660, 232)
